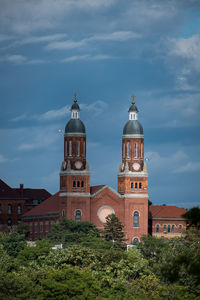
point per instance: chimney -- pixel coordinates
(21, 186)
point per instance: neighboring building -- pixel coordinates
(79, 201)
(166, 221)
(14, 202)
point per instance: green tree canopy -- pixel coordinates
(193, 217)
(113, 230)
(13, 243)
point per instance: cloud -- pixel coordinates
(18, 59)
(53, 114)
(95, 108)
(87, 57)
(42, 137)
(187, 48)
(188, 167)
(3, 159)
(118, 36)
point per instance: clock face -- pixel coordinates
(78, 164)
(136, 166)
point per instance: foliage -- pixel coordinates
(71, 232)
(32, 253)
(24, 229)
(113, 230)
(193, 217)
(13, 243)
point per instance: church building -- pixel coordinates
(79, 201)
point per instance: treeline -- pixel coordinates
(95, 265)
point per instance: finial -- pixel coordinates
(133, 102)
(75, 100)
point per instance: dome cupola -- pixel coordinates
(75, 125)
(133, 127)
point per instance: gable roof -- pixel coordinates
(100, 188)
(166, 212)
(96, 188)
(49, 207)
(21, 193)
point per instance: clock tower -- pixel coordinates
(74, 175)
(133, 177)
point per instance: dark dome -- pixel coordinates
(75, 106)
(132, 127)
(75, 126)
(133, 107)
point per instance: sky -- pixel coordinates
(105, 51)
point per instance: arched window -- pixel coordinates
(131, 185)
(63, 213)
(78, 183)
(136, 219)
(78, 148)
(165, 228)
(180, 228)
(74, 184)
(124, 150)
(135, 185)
(128, 150)
(135, 150)
(0, 209)
(135, 241)
(78, 215)
(84, 149)
(70, 148)
(9, 222)
(173, 228)
(140, 185)
(19, 209)
(141, 150)
(168, 228)
(157, 228)
(9, 209)
(82, 184)
(65, 148)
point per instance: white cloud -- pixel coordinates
(18, 59)
(41, 137)
(95, 108)
(188, 48)
(3, 159)
(188, 167)
(118, 36)
(53, 114)
(87, 57)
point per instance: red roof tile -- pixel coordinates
(165, 211)
(48, 206)
(95, 188)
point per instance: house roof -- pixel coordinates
(49, 207)
(166, 212)
(20, 193)
(96, 188)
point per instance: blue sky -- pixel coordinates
(105, 51)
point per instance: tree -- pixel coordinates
(13, 243)
(113, 230)
(193, 217)
(23, 228)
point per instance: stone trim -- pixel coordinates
(104, 187)
(135, 196)
(74, 194)
(133, 136)
(75, 134)
(133, 174)
(74, 172)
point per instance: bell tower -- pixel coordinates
(133, 176)
(74, 174)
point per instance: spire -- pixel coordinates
(75, 108)
(133, 111)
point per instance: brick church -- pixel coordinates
(79, 201)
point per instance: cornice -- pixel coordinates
(63, 194)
